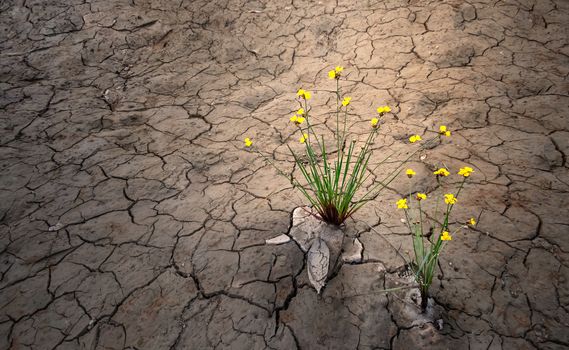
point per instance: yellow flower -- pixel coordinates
(300, 111)
(374, 122)
(442, 172)
(346, 101)
(303, 138)
(335, 73)
(415, 138)
(471, 222)
(248, 142)
(466, 171)
(402, 204)
(383, 109)
(445, 236)
(304, 94)
(410, 173)
(444, 131)
(421, 196)
(297, 119)
(450, 198)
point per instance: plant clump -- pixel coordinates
(333, 175)
(428, 242)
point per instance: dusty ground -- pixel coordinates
(132, 218)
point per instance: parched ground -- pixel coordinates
(132, 217)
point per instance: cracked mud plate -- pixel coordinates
(318, 261)
(319, 240)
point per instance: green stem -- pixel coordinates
(344, 132)
(338, 113)
(408, 220)
(450, 206)
(421, 218)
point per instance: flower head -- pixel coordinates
(304, 94)
(445, 236)
(442, 172)
(402, 204)
(466, 171)
(383, 109)
(248, 142)
(346, 101)
(303, 138)
(296, 119)
(410, 173)
(300, 111)
(450, 198)
(421, 196)
(335, 73)
(374, 123)
(415, 138)
(471, 222)
(444, 131)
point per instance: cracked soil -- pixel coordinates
(131, 216)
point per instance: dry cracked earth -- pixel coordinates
(132, 217)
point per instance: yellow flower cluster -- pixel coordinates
(383, 109)
(445, 236)
(335, 73)
(450, 198)
(374, 123)
(410, 173)
(466, 171)
(442, 172)
(297, 119)
(421, 196)
(471, 222)
(248, 142)
(303, 138)
(304, 94)
(444, 131)
(402, 204)
(415, 138)
(346, 101)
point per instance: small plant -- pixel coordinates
(427, 251)
(333, 175)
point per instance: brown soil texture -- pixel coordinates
(132, 217)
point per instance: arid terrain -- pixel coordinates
(133, 217)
